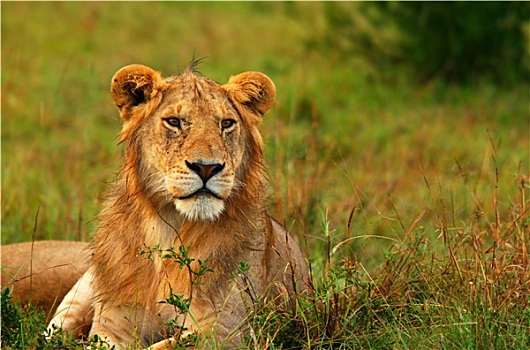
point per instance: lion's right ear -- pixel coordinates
(133, 86)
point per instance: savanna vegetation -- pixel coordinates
(398, 153)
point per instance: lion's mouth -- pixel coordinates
(202, 192)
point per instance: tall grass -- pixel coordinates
(463, 285)
(411, 202)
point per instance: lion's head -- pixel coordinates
(191, 140)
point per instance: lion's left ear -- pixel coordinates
(252, 89)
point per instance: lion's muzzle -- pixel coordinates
(205, 171)
(203, 191)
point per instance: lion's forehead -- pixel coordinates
(190, 95)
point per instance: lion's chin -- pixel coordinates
(200, 208)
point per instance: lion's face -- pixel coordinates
(192, 134)
(192, 143)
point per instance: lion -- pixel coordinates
(42, 272)
(184, 244)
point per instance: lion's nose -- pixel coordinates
(205, 171)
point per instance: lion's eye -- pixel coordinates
(227, 123)
(173, 122)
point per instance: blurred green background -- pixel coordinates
(384, 111)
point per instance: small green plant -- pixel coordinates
(97, 343)
(181, 258)
(196, 270)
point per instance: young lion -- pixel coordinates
(185, 221)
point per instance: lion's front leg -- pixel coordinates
(219, 322)
(200, 319)
(75, 312)
(121, 326)
(178, 324)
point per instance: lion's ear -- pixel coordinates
(252, 89)
(132, 86)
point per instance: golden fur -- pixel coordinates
(42, 272)
(193, 177)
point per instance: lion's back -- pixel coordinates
(42, 272)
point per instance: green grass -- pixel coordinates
(411, 202)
